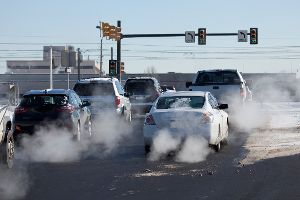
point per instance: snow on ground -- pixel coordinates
(280, 136)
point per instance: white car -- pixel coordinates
(187, 113)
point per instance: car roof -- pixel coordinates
(97, 80)
(48, 91)
(141, 77)
(219, 70)
(184, 93)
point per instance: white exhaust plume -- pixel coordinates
(195, 149)
(54, 144)
(163, 143)
(192, 149)
(110, 130)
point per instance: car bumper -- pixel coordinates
(208, 131)
(139, 110)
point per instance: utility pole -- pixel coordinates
(101, 56)
(111, 53)
(78, 63)
(119, 55)
(51, 78)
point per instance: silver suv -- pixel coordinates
(105, 95)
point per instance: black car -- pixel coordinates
(58, 107)
(142, 92)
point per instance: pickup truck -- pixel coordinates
(227, 85)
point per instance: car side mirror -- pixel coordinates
(188, 84)
(85, 103)
(223, 106)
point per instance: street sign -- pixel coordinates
(190, 36)
(242, 35)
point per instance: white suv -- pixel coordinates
(105, 95)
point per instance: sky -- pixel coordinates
(26, 26)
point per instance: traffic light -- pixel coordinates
(112, 32)
(105, 29)
(253, 36)
(112, 68)
(122, 68)
(118, 34)
(202, 36)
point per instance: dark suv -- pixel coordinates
(142, 92)
(57, 107)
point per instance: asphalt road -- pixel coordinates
(128, 174)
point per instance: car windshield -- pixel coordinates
(180, 102)
(93, 89)
(40, 100)
(140, 87)
(219, 77)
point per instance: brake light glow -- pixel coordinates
(67, 108)
(20, 110)
(242, 92)
(117, 101)
(149, 120)
(207, 118)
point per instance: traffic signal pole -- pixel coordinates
(119, 55)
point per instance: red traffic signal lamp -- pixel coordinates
(202, 36)
(253, 36)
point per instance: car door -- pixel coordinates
(124, 100)
(83, 111)
(217, 113)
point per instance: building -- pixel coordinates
(61, 56)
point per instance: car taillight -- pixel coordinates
(242, 92)
(19, 110)
(207, 118)
(67, 108)
(117, 101)
(149, 120)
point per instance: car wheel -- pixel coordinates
(147, 149)
(77, 134)
(88, 128)
(8, 151)
(217, 147)
(129, 117)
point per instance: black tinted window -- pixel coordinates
(140, 87)
(39, 100)
(180, 102)
(221, 77)
(92, 89)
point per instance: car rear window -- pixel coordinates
(180, 102)
(40, 100)
(221, 77)
(93, 89)
(140, 87)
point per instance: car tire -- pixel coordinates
(147, 149)
(8, 150)
(217, 147)
(88, 128)
(77, 132)
(129, 117)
